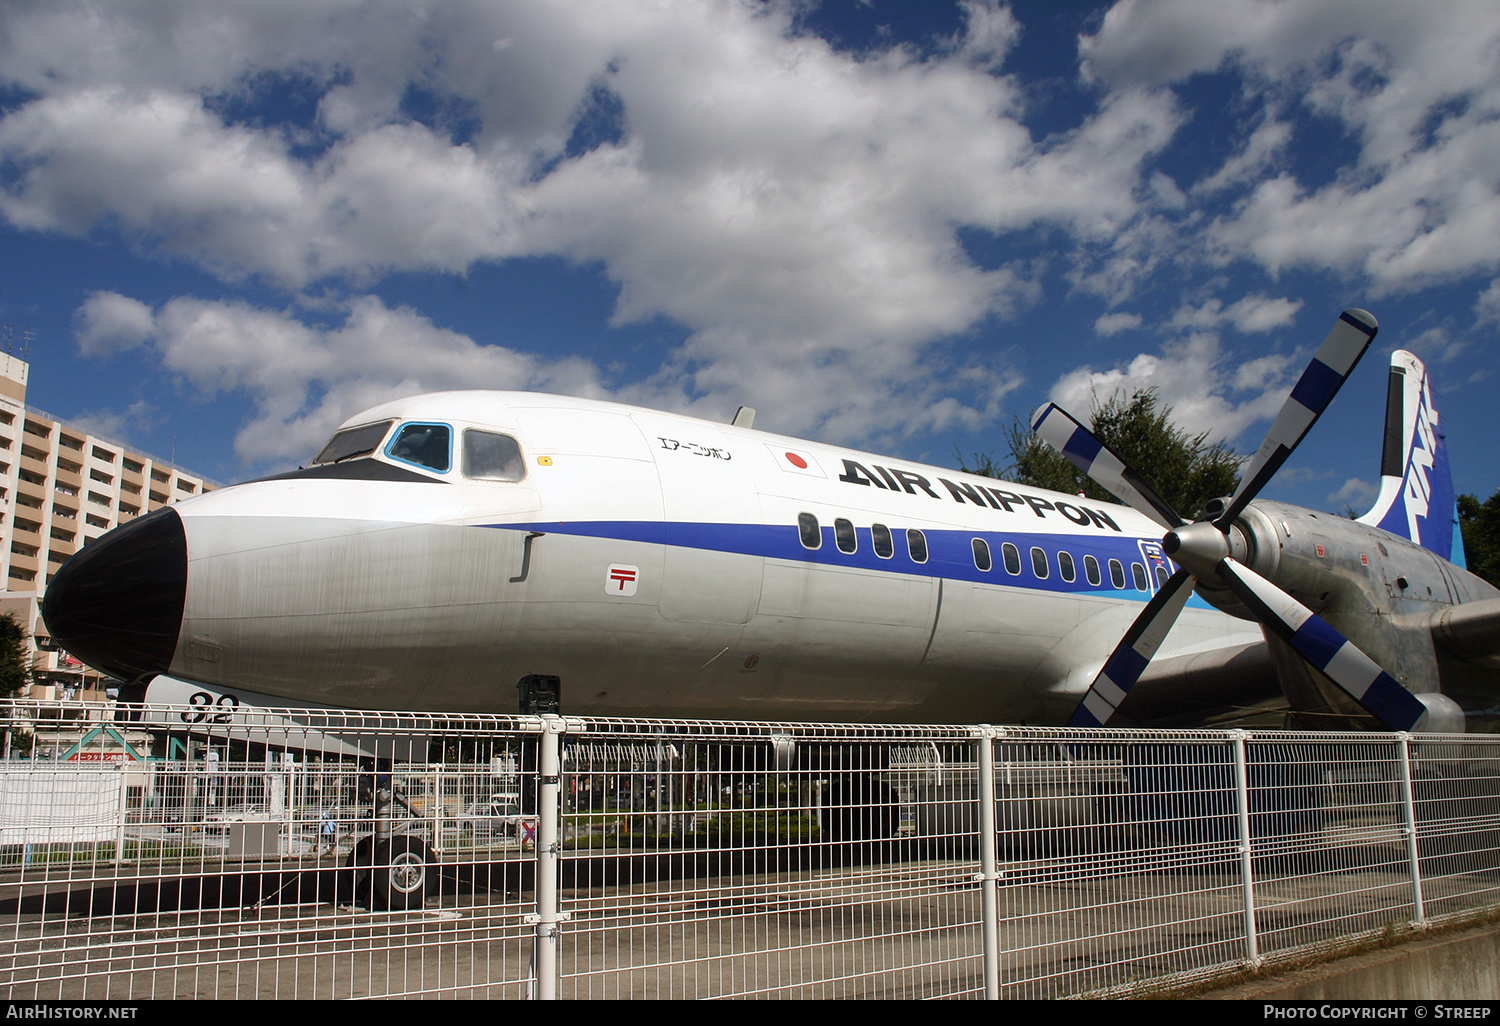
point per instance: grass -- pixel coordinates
(15, 855)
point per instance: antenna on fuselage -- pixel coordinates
(744, 417)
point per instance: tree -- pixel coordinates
(1480, 523)
(1185, 469)
(14, 673)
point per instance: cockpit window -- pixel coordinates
(352, 442)
(426, 445)
(492, 457)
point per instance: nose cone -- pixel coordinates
(117, 604)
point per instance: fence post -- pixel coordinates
(124, 814)
(1247, 875)
(548, 857)
(989, 863)
(1409, 828)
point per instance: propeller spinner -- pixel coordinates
(1202, 550)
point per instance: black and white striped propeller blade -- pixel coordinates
(1339, 659)
(1129, 659)
(1320, 382)
(1061, 430)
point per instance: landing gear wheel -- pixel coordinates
(401, 875)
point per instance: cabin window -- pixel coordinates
(880, 536)
(843, 535)
(1066, 568)
(1012, 557)
(982, 555)
(492, 457)
(1039, 564)
(1117, 573)
(807, 528)
(426, 445)
(1139, 573)
(1161, 576)
(1091, 570)
(916, 545)
(347, 444)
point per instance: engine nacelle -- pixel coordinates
(1377, 590)
(1253, 542)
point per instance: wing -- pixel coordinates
(1470, 632)
(1223, 686)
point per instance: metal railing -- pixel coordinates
(307, 854)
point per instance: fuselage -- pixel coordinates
(661, 565)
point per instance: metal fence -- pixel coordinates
(319, 855)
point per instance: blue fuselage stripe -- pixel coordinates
(950, 552)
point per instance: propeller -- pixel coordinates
(1202, 549)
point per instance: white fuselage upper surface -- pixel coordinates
(666, 566)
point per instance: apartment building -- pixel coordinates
(60, 488)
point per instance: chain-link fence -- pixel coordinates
(183, 852)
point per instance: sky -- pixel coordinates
(226, 227)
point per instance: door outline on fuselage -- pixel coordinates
(1152, 556)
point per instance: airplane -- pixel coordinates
(441, 546)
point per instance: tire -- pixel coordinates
(401, 875)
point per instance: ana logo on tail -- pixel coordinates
(1416, 484)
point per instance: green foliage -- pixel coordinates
(1480, 523)
(14, 673)
(1184, 468)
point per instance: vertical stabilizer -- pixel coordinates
(1416, 486)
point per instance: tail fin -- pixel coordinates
(1416, 486)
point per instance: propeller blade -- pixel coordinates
(1320, 382)
(1059, 429)
(1325, 648)
(1129, 659)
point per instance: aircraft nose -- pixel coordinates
(117, 604)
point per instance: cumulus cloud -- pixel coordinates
(1487, 306)
(304, 380)
(797, 209)
(1418, 87)
(1194, 375)
(1259, 152)
(1356, 493)
(1436, 344)
(122, 425)
(108, 322)
(794, 207)
(1114, 323)
(1249, 315)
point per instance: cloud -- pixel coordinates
(1261, 149)
(1114, 323)
(1417, 88)
(794, 207)
(1354, 492)
(991, 30)
(1436, 345)
(1249, 315)
(1194, 376)
(121, 425)
(1487, 306)
(108, 322)
(304, 380)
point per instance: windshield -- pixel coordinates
(426, 445)
(352, 442)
